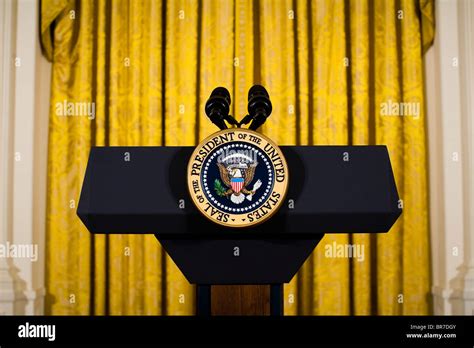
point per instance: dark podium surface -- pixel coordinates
(332, 189)
(327, 194)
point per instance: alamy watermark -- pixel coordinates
(68, 108)
(28, 330)
(336, 250)
(236, 156)
(19, 251)
(392, 108)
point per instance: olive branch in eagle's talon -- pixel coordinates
(219, 188)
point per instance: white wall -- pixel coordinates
(25, 86)
(449, 70)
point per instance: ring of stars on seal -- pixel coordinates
(237, 177)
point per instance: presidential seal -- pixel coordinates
(237, 177)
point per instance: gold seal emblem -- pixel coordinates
(237, 177)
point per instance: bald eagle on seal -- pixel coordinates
(237, 183)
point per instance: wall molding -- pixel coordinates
(449, 82)
(8, 285)
(25, 81)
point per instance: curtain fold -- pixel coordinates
(146, 69)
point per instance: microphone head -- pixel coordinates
(221, 92)
(256, 90)
(259, 101)
(218, 102)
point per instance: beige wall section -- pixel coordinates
(466, 272)
(7, 290)
(40, 162)
(449, 68)
(24, 101)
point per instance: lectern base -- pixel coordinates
(239, 300)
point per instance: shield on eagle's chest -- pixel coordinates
(237, 184)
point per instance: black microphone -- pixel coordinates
(218, 106)
(259, 107)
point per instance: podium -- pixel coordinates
(332, 189)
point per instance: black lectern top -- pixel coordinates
(332, 189)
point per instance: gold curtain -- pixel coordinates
(149, 66)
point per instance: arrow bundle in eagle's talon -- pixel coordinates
(256, 186)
